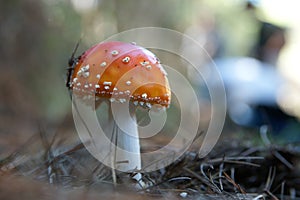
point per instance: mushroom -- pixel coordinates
(124, 76)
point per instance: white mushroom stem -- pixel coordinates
(127, 157)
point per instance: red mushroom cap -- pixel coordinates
(118, 71)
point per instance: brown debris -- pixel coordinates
(254, 172)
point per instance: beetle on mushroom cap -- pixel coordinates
(119, 71)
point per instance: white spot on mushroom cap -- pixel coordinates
(84, 71)
(114, 52)
(97, 86)
(128, 83)
(75, 80)
(85, 68)
(126, 59)
(127, 92)
(144, 95)
(107, 83)
(86, 74)
(148, 67)
(144, 63)
(103, 64)
(98, 76)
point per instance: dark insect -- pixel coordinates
(72, 62)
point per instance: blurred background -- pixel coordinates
(255, 45)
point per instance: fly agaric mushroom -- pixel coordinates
(121, 74)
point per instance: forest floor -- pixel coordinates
(58, 166)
